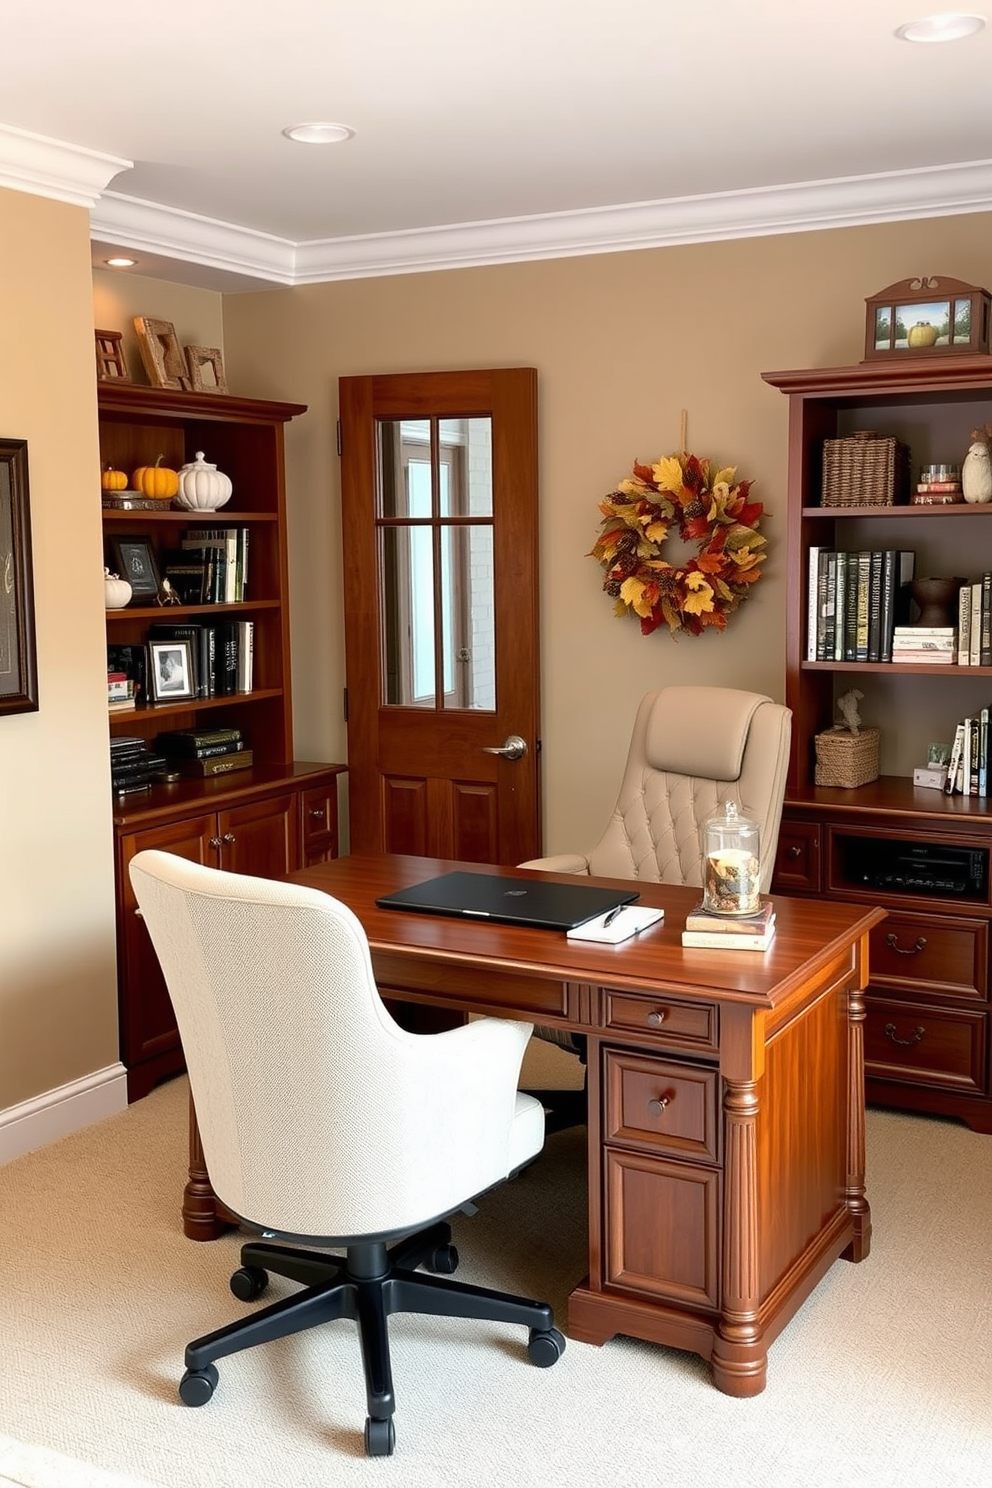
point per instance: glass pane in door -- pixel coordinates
(468, 617)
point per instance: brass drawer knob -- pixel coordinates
(657, 1107)
(316, 814)
(794, 852)
(656, 1018)
(892, 941)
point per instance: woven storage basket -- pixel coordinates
(865, 469)
(847, 759)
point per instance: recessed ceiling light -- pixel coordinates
(120, 263)
(947, 26)
(319, 134)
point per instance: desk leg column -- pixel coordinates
(857, 1202)
(201, 1217)
(740, 1358)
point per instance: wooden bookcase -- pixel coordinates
(923, 855)
(278, 815)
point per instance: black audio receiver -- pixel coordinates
(925, 868)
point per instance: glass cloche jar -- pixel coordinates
(731, 863)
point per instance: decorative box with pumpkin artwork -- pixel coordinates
(932, 316)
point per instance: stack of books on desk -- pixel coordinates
(730, 932)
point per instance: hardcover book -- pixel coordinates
(705, 921)
(218, 764)
(706, 940)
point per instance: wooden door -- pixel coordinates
(439, 513)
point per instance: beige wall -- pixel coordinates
(58, 1000)
(622, 343)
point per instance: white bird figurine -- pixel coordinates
(976, 474)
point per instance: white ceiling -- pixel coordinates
(485, 130)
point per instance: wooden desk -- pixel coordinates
(726, 1101)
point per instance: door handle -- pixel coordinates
(515, 748)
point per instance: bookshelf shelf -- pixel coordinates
(907, 848)
(272, 817)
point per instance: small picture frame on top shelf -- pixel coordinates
(110, 363)
(161, 353)
(205, 365)
(170, 671)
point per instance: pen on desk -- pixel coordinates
(613, 914)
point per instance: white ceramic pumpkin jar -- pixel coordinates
(117, 590)
(202, 487)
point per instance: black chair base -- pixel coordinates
(368, 1284)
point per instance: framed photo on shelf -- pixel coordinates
(135, 561)
(18, 657)
(171, 671)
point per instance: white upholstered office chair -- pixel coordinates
(325, 1124)
(692, 749)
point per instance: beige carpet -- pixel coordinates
(884, 1378)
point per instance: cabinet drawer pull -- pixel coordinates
(316, 814)
(215, 842)
(919, 1032)
(657, 1107)
(656, 1018)
(229, 838)
(891, 940)
(794, 852)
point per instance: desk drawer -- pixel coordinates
(681, 1025)
(663, 1228)
(660, 1106)
(932, 955)
(920, 1044)
(798, 858)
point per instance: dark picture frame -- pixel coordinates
(170, 671)
(18, 653)
(135, 561)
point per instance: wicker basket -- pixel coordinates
(847, 759)
(865, 469)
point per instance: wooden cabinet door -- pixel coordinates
(147, 1022)
(260, 837)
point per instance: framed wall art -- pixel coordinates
(931, 316)
(18, 655)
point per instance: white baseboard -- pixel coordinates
(60, 1112)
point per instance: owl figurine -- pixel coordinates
(976, 474)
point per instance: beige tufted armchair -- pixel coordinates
(692, 749)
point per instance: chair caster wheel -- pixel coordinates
(249, 1282)
(380, 1437)
(197, 1385)
(545, 1349)
(443, 1260)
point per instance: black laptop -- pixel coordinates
(512, 901)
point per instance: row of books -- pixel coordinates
(855, 602)
(210, 566)
(223, 654)
(974, 640)
(968, 769)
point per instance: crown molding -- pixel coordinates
(49, 167)
(848, 201)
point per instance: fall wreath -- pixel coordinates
(682, 496)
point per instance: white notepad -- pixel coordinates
(630, 920)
